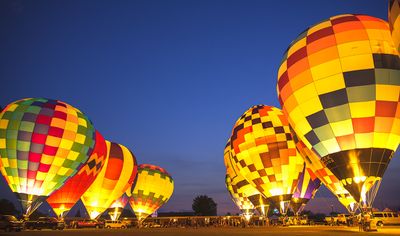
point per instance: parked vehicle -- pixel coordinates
(88, 224)
(45, 223)
(386, 218)
(10, 223)
(114, 224)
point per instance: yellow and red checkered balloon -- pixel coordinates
(43, 143)
(116, 177)
(265, 154)
(243, 194)
(338, 84)
(394, 22)
(318, 170)
(153, 188)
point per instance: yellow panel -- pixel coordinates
(375, 34)
(393, 142)
(342, 128)
(319, 26)
(46, 159)
(329, 84)
(364, 140)
(311, 106)
(362, 109)
(3, 123)
(331, 145)
(52, 141)
(66, 144)
(387, 92)
(306, 93)
(2, 143)
(40, 175)
(354, 48)
(282, 69)
(303, 126)
(295, 47)
(359, 62)
(326, 69)
(80, 138)
(58, 161)
(380, 140)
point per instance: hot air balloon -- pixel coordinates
(153, 188)
(43, 143)
(265, 154)
(63, 199)
(338, 84)
(394, 22)
(325, 175)
(243, 191)
(118, 205)
(235, 189)
(116, 177)
(307, 186)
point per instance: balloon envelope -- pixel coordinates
(63, 199)
(265, 154)
(394, 21)
(338, 85)
(116, 176)
(307, 186)
(240, 190)
(153, 188)
(43, 143)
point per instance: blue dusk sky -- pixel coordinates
(167, 78)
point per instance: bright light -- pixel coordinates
(276, 191)
(359, 179)
(247, 216)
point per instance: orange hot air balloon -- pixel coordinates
(265, 154)
(338, 85)
(116, 176)
(63, 199)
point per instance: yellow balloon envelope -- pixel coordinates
(153, 188)
(241, 190)
(338, 84)
(265, 154)
(116, 176)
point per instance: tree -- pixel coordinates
(204, 206)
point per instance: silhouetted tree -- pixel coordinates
(7, 207)
(204, 206)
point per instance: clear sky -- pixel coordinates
(166, 78)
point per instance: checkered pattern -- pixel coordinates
(43, 143)
(235, 188)
(394, 21)
(63, 199)
(116, 177)
(319, 170)
(153, 188)
(264, 152)
(338, 85)
(241, 191)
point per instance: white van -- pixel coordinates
(108, 224)
(386, 218)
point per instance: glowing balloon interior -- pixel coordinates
(338, 85)
(265, 154)
(153, 188)
(116, 177)
(63, 199)
(43, 143)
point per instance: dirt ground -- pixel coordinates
(228, 231)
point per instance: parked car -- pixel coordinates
(45, 223)
(88, 224)
(10, 223)
(386, 218)
(114, 224)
